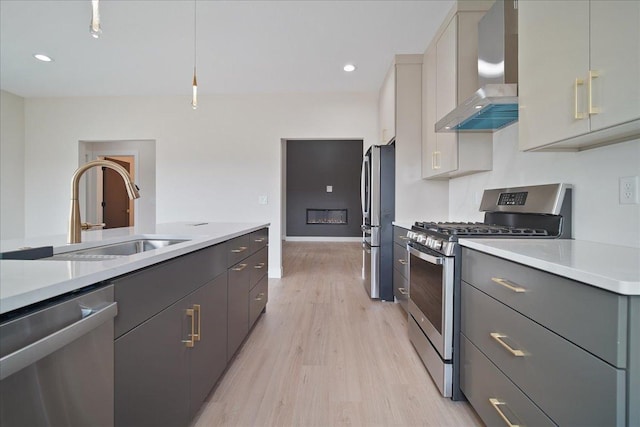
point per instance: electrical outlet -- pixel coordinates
(263, 200)
(629, 190)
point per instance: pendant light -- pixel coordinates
(194, 96)
(94, 27)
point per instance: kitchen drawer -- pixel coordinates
(400, 235)
(259, 239)
(592, 318)
(481, 381)
(258, 298)
(401, 259)
(238, 249)
(570, 385)
(401, 289)
(142, 294)
(258, 263)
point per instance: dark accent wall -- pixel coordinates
(311, 167)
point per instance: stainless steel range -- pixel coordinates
(541, 211)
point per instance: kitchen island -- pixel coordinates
(183, 310)
(27, 282)
(550, 331)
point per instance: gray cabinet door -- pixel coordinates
(237, 306)
(151, 371)
(209, 354)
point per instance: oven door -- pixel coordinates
(431, 299)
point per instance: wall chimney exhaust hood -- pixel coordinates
(495, 104)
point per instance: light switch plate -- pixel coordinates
(329, 188)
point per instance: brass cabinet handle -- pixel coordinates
(499, 337)
(259, 240)
(240, 267)
(496, 405)
(260, 296)
(259, 266)
(240, 249)
(403, 291)
(507, 284)
(197, 335)
(403, 261)
(403, 238)
(190, 342)
(592, 75)
(578, 115)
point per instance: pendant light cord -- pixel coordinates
(195, 32)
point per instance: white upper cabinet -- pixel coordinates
(579, 73)
(387, 107)
(449, 76)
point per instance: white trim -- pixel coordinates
(275, 273)
(322, 239)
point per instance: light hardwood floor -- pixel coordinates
(325, 354)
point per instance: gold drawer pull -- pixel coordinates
(240, 267)
(196, 309)
(509, 285)
(592, 75)
(403, 291)
(496, 405)
(403, 238)
(259, 266)
(240, 249)
(259, 240)
(260, 296)
(577, 114)
(191, 341)
(499, 337)
(403, 261)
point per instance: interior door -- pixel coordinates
(115, 201)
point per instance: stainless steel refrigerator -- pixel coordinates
(378, 213)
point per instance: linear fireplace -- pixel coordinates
(327, 216)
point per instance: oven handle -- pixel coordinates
(426, 257)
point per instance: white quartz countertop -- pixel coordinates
(610, 267)
(27, 282)
(403, 224)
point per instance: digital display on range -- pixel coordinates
(512, 199)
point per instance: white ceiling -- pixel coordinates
(242, 46)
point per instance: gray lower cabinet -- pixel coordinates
(167, 366)
(238, 306)
(209, 355)
(178, 325)
(247, 258)
(400, 267)
(539, 349)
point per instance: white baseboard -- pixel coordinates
(322, 239)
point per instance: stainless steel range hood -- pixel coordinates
(495, 104)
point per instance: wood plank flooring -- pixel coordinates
(325, 354)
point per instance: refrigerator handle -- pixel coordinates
(363, 189)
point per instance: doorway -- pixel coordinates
(117, 209)
(141, 156)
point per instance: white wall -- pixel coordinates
(12, 222)
(594, 174)
(211, 163)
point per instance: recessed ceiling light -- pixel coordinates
(42, 57)
(478, 107)
(349, 68)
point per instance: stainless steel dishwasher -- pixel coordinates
(56, 362)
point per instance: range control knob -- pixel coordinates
(437, 244)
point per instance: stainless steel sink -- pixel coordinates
(116, 250)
